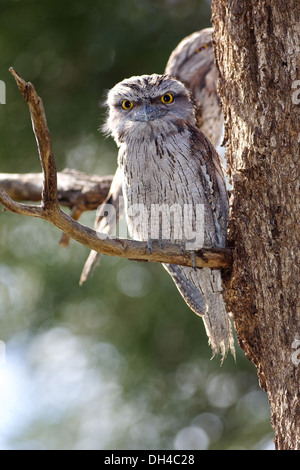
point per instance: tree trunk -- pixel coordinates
(257, 53)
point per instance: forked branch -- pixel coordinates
(50, 210)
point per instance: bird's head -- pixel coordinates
(147, 105)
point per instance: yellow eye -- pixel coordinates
(201, 48)
(167, 98)
(126, 104)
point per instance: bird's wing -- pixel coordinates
(202, 288)
(105, 224)
(211, 178)
(193, 63)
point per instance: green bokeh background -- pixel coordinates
(121, 362)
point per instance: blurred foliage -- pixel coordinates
(120, 362)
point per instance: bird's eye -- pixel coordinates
(167, 98)
(201, 48)
(126, 104)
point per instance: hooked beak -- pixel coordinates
(147, 113)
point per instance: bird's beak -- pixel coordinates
(146, 113)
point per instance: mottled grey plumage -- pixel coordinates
(165, 159)
(191, 62)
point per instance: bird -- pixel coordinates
(191, 62)
(164, 160)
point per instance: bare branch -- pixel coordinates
(74, 188)
(18, 208)
(42, 135)
(50, 210)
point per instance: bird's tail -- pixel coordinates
(202, 291)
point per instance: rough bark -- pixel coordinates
(257, 54)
